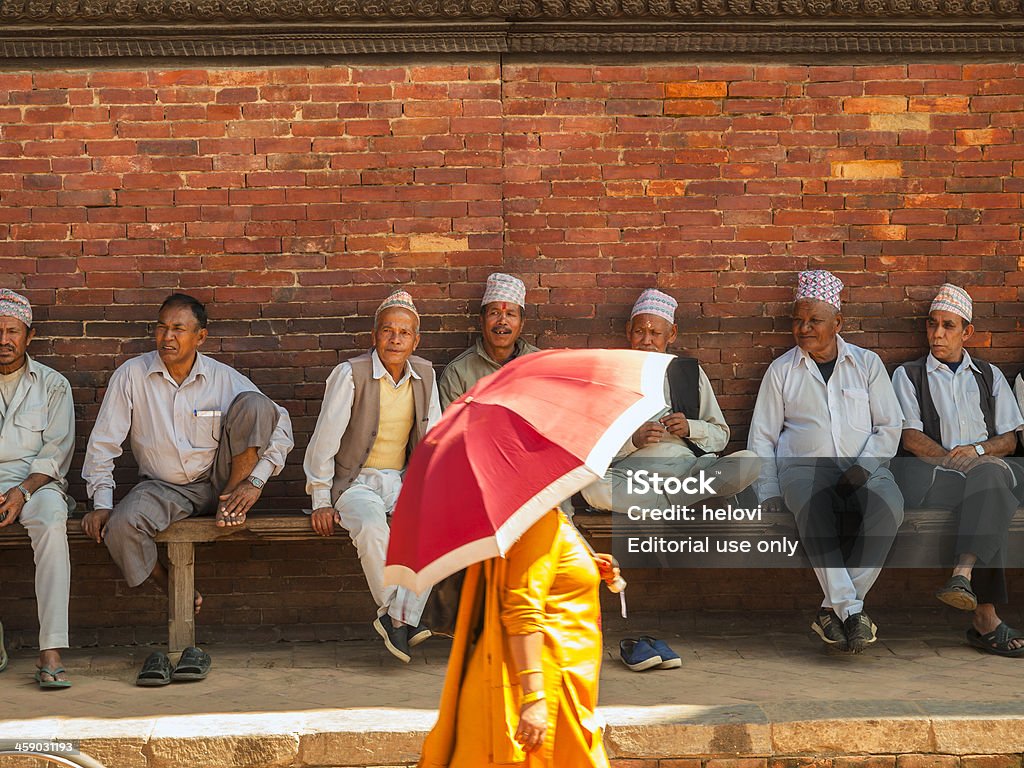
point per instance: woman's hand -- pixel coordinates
(533, 725)
(607, 567)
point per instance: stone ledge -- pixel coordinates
(781, 733)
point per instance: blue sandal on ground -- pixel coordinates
(639, 655)
(53, 682)
(669, 658)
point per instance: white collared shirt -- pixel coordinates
(37, 429)
(957, 401)
(174, 429)
(335, 414)
(855, 417)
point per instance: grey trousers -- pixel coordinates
(984, 502)
(153, 505)
(809, 491)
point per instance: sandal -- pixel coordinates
(997, 641)
(194, 664)
(958, 593)
(156, 670)
(53, 682)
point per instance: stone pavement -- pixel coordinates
(757, 685)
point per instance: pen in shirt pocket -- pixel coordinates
(205, 414)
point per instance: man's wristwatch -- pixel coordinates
(256, 482)
(24, 491)
(979, 449)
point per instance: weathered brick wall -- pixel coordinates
(293, 198)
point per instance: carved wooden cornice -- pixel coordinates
(191, 28)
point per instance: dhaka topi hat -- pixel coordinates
(820, 285)
(400, 299)
(15, 305)
(654, 302)
(507, 288)
(953, 298)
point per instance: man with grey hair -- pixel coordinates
(36, 443)
(826, 423)
(501, 324)
(376, 408)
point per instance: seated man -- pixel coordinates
(205, 439)
(36, 442)
(960, 417)
(376, 408)
(685, 439)
(501, 323)
(826, 423)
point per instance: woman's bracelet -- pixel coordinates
(530, 672)
(533, 696)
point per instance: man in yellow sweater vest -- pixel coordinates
(376, 408)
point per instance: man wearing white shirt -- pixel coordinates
(826, 423)
(376, 408)
(205, 439)
(960, 418)
(683, 441)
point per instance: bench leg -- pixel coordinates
(181, 596)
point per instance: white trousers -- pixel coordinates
(365, 510)
(45, 518)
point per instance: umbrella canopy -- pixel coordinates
(518, 443)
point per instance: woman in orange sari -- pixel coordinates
(521, 687)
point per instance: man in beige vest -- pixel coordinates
(376, 408)
(501, 322)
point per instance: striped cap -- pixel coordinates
(15, 305)
(654, 302)
(821, 285)
(502, 287)
(953, 298)
(401, 299)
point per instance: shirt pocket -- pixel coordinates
(206, 428)
(30, 423)
(858, 409)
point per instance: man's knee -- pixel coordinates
(251, 405)
(47, 509)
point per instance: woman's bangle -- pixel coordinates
(529, 698)
(530, 672)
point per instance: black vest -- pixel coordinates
(684, 391)
(918, 375)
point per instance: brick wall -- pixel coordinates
(293, 198)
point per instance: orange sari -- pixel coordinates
(548, 582)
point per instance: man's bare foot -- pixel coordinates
(199, 601)
(51, 668)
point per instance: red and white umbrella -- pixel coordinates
(518, 443)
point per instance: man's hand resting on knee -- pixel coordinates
(323, 520)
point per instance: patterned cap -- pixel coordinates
(400, 299)
(654, 302)
(821, 285)
(15, 305)
(502, 287)
(953, 298)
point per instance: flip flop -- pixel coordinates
(194, 664)
(3, 650)
(958, 593)
(996, 642)
(156, 671)
(52, 683)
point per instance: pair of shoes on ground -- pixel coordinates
(399, 640)
(957, 593)
(850, 636)
(646, 652)
(194, 664)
